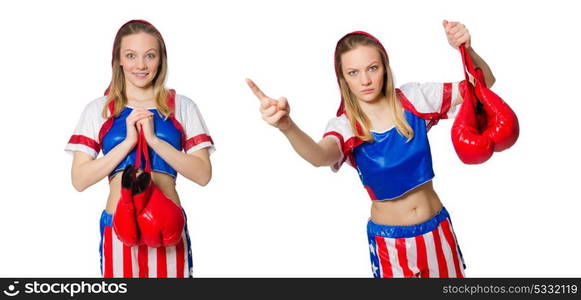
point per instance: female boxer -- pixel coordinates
(382, 132)
(139, 113)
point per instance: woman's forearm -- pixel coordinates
(196, 168)
(86, 172)
(277, 114)
(481, 64)
(320, 154)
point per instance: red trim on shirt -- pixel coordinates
(341, 144)
(198, 139)
(410, 107)
(338, 136)
(370, 192)
(446, 100)
(105, 128)
(433, 116)
(171, 102)
(350, 144)
(179, 127)
(83, 140)
(346, 147)
(109, 122)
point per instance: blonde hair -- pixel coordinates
(358, 120)
(116, 90)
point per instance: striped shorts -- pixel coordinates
(429, 249)
(118, 260)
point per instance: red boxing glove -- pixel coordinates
(471, 146)
(161, 221)
(144, 214)
(502, 124)
(124, 219)
(141, 191)
(484, 124)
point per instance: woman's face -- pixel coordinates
(139, 59)
(364, 72)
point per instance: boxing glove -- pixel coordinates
(142, 188)
(124, 219)
(470, 144)
(502, 123)
(161, 221)
(484, 124)
(135, 193)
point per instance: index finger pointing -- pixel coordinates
(257, 92)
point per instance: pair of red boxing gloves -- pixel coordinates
(144, 215)
(485, 123)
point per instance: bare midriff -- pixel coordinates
(166, 183)
(414, 207)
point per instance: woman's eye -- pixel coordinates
(352, 73)
(151, 55)
(373, 68)
(130, 55)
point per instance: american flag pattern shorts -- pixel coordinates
(429, 249)
(119, 260)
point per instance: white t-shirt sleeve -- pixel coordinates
(196, 132)
(339, 129)
(85, 137)
(433, 97)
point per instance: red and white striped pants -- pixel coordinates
(429, 249)
(119, 260)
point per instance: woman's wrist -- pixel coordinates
(153, 141)
(128, 145)
(291, 126)
(470, 50)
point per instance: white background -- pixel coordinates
(266, 212)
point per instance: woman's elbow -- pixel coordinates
(78, 185)
(79, 178)
(317, 164)
(205, 178)
(321, 163)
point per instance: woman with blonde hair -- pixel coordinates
(382, 132)
(147, 134)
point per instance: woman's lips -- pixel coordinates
(367, 91)
(140, 75)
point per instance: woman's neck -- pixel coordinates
(139, 95)
(376, 109)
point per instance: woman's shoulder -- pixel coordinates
(184, 100)
(409, 88)
(95, 106)
(99, 101)
(186, 108)
(184, 104)
(339, 124)
(339, 120)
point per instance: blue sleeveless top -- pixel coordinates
(164, 129)
(389, 167)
